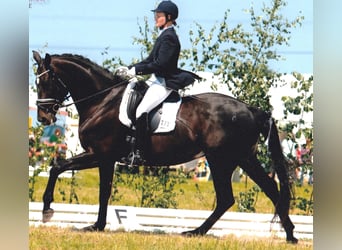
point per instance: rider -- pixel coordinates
(166, 76)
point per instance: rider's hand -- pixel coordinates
(125, 72)
(131, 72)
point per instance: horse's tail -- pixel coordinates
(268, 129)
(280, 166)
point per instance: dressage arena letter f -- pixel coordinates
(118, 213)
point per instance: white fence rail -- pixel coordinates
(169, 220)
(65, 174)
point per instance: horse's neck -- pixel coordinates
(88, 90)
(82, 89)
(94, 103)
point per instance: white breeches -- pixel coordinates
(155, 94)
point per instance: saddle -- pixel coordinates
(155, 115)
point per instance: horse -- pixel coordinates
(223, 129)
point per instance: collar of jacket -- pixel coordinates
(161, 31)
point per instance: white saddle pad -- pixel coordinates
(168, 117)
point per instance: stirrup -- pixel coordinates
(128, 159)
(133, 159)
(138, 158)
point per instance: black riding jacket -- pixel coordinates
(163, 59)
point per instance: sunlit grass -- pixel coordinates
(52, 238)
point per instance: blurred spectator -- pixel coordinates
(202, 168)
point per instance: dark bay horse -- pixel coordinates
(220, 127)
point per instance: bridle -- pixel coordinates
(49, 105)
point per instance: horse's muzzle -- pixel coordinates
(46, 118)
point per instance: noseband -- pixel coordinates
(50, 105)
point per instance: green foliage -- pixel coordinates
(41, 157)
(248, 199)
(200, 196)
(72, 184)
(241, 58)
(158, 190)
(194, 195)
(299, 105)
(113, 63)
(146, 39)
(264, 157)
(305, 204)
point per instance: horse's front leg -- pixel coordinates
(78, 162)
(106, 171)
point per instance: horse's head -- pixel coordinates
(51, 90)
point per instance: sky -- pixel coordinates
(89, 27)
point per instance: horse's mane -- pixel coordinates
(87, 63)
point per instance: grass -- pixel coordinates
(52, 238)
(197, 195)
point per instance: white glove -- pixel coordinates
(131, 72)
(125, 72)
(122, 70)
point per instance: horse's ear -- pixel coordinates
(36, 57)
(47, 61)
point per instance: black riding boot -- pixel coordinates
(136, 157)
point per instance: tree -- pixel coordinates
(241, 58)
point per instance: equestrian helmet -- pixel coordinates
(168, 7)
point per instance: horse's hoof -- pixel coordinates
(47, 215)
(92, 228)
(191, 233)
(292, 240)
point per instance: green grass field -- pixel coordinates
(201, 198)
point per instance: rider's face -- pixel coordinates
(160, 19)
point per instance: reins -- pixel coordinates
(94, 95)
(110, 88)
(60, 103)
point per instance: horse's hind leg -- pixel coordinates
(79, 162)
(254, 169)
(221, 172)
